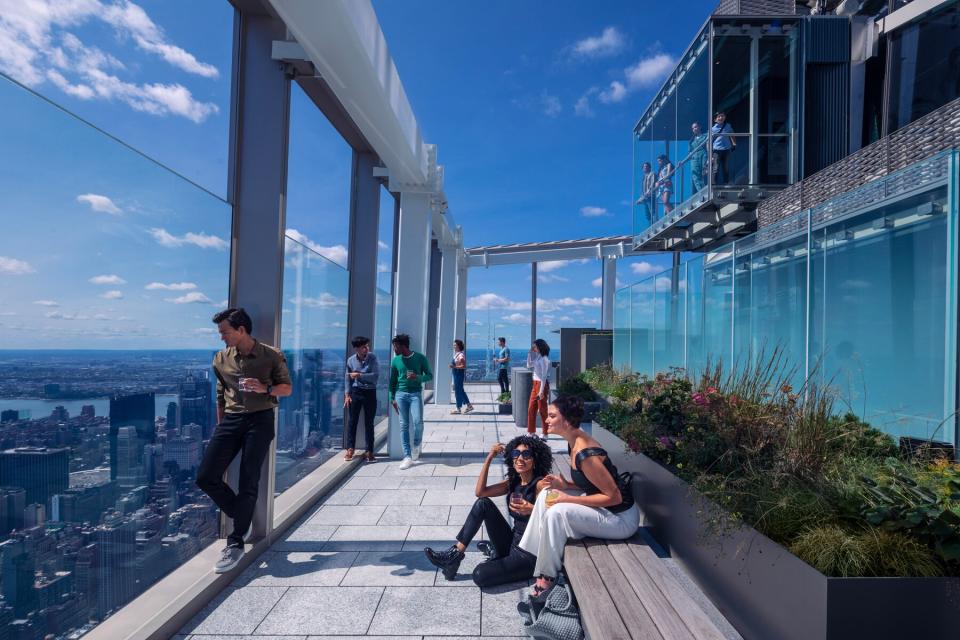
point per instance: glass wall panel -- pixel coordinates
(696, 357)
(645, 181)
(641, 325)
(717, 307)
(731, 80)
(778, 297)
(383, 333)
(924, 66)
(878, 310)
(621, 330)
(773, 85)
(385, 243)
(693, 122)
(664, 138)
(773, 160)
(313, 337)
(743, 330)
(668, 320)
(111, 268)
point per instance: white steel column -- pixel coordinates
(446, 331)
(533, 302)
(608, 284)
(460, 312)
(412, 283)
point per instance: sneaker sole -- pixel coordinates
(227, 568)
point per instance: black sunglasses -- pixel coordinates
(526, 454)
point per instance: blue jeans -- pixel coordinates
(458, 391)
(411, 417)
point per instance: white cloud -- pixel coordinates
(336, 253)
(616, 92)
(112, 295)
(107, 279)
(486, 301)
(551, 105)
(325, 300)
(383, 246)
(598, 283)
(56, 315)
(383, 268)
(36, 47)
(582, 107)
(14, 267)
(552, 265)
(100, 203)
(551, 277)
(516, 317)
(173, 286)
(646, 72)
(192, 297)
(47, 303)
(644, 268)
(610, 42)
(202, 240)
(593, 212)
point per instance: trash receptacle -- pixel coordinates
(520, 386)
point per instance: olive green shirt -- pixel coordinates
(264, 363)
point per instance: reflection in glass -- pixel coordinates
(383, 323)
(621, 330)
(731, 80)
(641, 327)
(313, 338)
(773, 85)
(112, 268)
(925, 66)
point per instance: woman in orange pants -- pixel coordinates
(540, 393)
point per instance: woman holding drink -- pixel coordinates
(529, 459)
(603, 508)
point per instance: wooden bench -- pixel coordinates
(626, 593)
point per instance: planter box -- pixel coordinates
(764, 590)
(591, 409)
(504, 408)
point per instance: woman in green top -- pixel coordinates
(408, 371)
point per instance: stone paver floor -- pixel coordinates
(354, 565)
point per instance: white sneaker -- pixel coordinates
(406, 464)
(416, 452)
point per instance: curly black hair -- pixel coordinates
(542, 457)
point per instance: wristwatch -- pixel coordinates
(269, 389)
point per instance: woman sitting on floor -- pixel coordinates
(529, 459)
(605, 509)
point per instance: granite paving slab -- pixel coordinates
(404, 514)
(235, 611)
(390, 569)
(428, 611)
(323, 610)
(335, 514)
(498, 609)
(299, 569)
(387, 497)
(367, 538)
(437, 536)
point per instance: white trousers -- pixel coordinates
(548, 530)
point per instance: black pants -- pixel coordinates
(503, 377)
(248, 434)
(722, 175)
(362, 400)
(512, 563)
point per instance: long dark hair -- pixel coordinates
(570, 408)
(542, 346)
(542, 458)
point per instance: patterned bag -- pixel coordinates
(559, 618)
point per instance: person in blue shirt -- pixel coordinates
(698, 157)
(723, 145)
(503, 365)
(360, 382)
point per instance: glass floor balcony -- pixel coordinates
(354, 565)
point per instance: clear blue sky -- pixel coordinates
(531, 104)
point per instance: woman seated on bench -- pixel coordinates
(604, 509)
(529, 459)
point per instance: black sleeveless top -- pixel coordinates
(529, 492)
(580, 479)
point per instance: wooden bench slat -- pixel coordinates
(686, 607)
(634, 610)
(668, 621)
(597, 610)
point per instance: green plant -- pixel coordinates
(504, 398)
(835, 551)
(577, 387)
(614, 417)
(602, 378)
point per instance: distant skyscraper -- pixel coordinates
(131, 472)
(88, 412)
(116, 541)
(13, 500)
(60, 414)
(196, 401)
(40, 471)
(34, 515)
(131, 411)
(9, 415)
(172, 421)
(184, 451)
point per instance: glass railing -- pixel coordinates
(858, 293)
(111, 268)
(314, 338)
(383, 333)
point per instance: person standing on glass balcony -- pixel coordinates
(408, 371)
(723, 144)
(503, 365)
(665, 183)
(458, 367)
(540, 393)
(698, 157)
(649, 192)
(362, 374)
(250, 378)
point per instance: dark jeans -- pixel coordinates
(503, 377)
(512, 563)
(458, 392)
(248, 434)
(365, 400)
(722, 175)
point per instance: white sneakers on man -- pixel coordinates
(406, 464)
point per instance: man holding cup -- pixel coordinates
(250, 378)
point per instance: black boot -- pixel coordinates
(448, 560)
